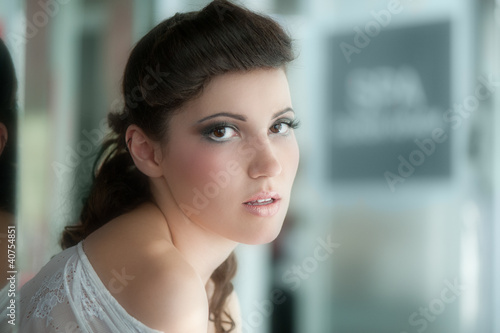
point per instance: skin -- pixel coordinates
(172, 248)
(3, 137)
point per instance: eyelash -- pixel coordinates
(206, 132)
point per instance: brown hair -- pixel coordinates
(169, 66)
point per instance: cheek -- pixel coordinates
(192, 168)
(296, 157)
(290, 159)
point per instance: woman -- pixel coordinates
(201, 158)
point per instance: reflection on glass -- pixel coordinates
(8, 121)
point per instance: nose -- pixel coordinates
(264, 162)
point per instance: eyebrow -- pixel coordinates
(241, 117)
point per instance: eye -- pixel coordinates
(284, 126)
(220, 132)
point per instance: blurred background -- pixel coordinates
(394, 223)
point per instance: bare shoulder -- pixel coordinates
(145, 273)
(167, 294)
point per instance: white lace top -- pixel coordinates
(67, 295)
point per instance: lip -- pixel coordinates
(264, 195)
(265, 210)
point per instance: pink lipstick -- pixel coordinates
(263, 204)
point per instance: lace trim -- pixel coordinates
(47, 297)
(55, 288)
(53, 292)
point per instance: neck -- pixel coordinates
(203, 249)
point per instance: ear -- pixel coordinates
(145, 152)
(4, 135)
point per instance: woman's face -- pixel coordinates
(230, 144)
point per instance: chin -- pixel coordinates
(262, 235)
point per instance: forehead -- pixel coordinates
(260, 91)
